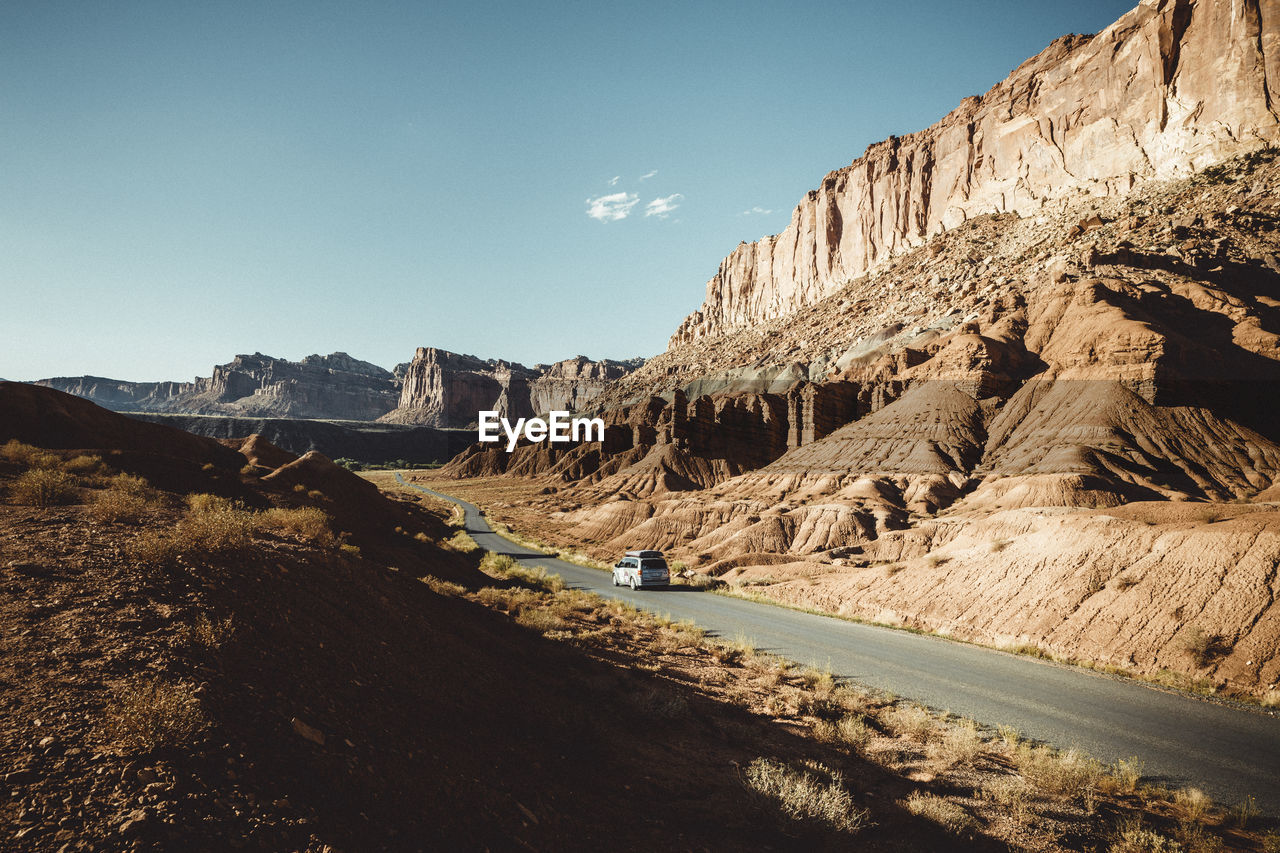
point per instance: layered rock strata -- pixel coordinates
(445, 389)
(1171, 87)
(334, 386)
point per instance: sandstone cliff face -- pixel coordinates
(1169, 88)
(333, 386)
(573, 384)
(117, 394)
(445, 389)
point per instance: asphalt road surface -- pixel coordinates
(1228, 752)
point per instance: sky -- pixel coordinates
(182, 182)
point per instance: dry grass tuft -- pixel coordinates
(946, 814)
(851, 730)
(125, 498)
(214, 525)
(44, 487)
(460, 542)
(1133, 837)
(959, 745)
(1194, 802)
(1065, 775)
(534, 576)
(209, 634)
(85, 464)
(540, 620)
(909, 721)
(28, 455)
(1011, 794)
(1202, 646)
(443, 587)
(306, 522)
(811, 792)
(153, 715)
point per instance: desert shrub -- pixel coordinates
(1133, 837)
(1127, 774)
(998, 545)
(215, 525)
(540, 620)
(83, 464)
(810, 792)
(1194, 802)
(946, 814)
(349, 549)
(307, 522)
(125, 498)
(1011, 794)
(1202, 646)
(44, 487)
(910, 721)
(153, 547)
(109, 505)
(443, 587)
(1243, 813)
(818, 679)
(1066, 775)
(208, 633)
(1009, 736)
(151, 715)
(29, 455)
(535, 576)
(850, 730)
(959, 745)
(460, 542)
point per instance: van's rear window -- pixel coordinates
(653, 564)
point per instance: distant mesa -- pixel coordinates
(438, 388)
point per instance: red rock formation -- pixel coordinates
(1172, 86)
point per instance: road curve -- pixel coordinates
(1228, 752)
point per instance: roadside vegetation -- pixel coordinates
(969, 781)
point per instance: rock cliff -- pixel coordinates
(445, 389)
(1171, 87)
(573, 384)
(118, 394)
(333, 386)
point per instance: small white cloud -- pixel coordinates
(755, 211)
(611, 208)
(662, 207)
(613, 182)
(648, 175)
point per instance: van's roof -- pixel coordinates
(644, 554)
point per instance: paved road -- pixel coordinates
(1228, 752)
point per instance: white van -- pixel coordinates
(642, 569)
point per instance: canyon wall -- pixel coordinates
(438, 388)
(445, 389)
(334, 386)
(1171, 87)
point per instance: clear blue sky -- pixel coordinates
(181, 182)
